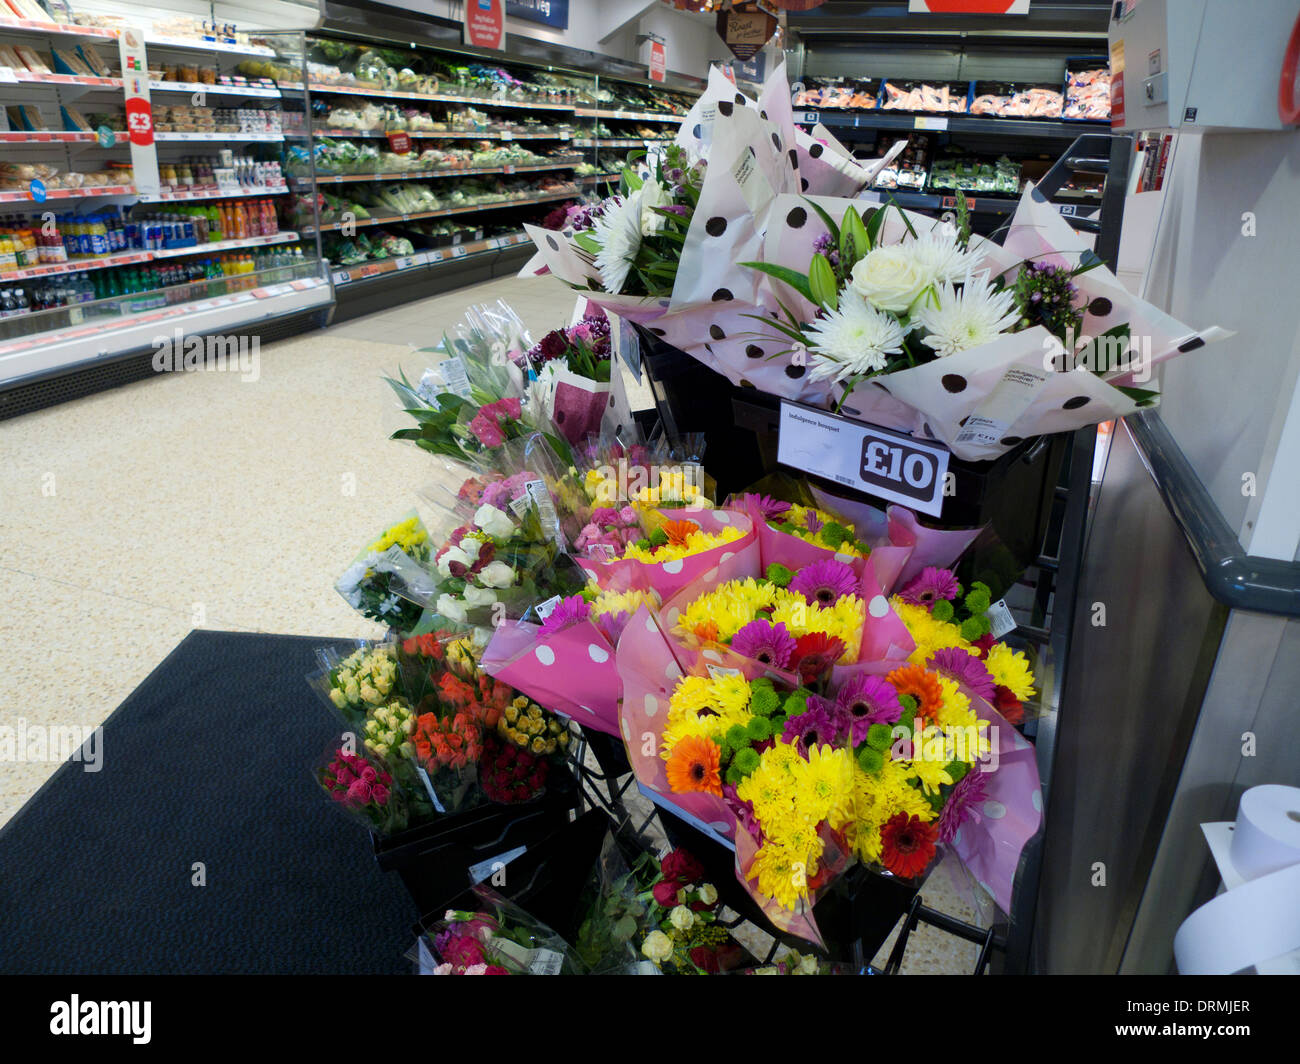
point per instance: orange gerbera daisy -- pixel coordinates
(695, 765)
(678, 531)
(707, 632)
(923, 686)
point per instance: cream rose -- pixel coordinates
(682, 918)
(496, 523)
(451, 607)
(890, 278)
(497, 574)
(657, 946)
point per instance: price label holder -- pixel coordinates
(459, 251)
(886, 464)
(507, 135)
(936, 124)
(810, 118)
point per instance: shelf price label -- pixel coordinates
(938, 124)
(951, 201)
(864, 457)
(459, 251)
(810, 118)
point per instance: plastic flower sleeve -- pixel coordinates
(353, 682)
(386, 580)
(498, 938)
(361, 785)
(571, 672)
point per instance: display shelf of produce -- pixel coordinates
(92, 192)
(192, 87)
(366, 270)
(460, 134)
(1010, 127)
(171, 195)
(27, 77)
(634, 116)
(56, 29)
(62, 348)
(620, 143)
(435, 97)
(287, 236)
(396, 219)
(595, 179)
(408, 175)
(943, 201)
(233, 138)
(55, 136)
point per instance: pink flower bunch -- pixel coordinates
(610, 528)
(502, 492)
(489, 424)
(355, 782)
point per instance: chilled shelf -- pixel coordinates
(436, 97)
(634, 116)
(56, 29)
(409, 175)
(230, 138)
(1066, 129)
(134, 258)
(366, 270)
(460, 134)
(83, 81)
(176, 196)
(55, 136)
(192, 87)
(395, 219)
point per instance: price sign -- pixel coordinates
(507, 134)
(865, 457)
(399, 142)
(930, 123)
(105, 136)
(38, 190)
(459, 251)
(810, 118)
(1067, 209)
(139, 112)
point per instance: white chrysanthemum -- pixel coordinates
(618, 232)
(967, 318)
(941, 258)
(854, 340)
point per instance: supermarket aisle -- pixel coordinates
(204, 501)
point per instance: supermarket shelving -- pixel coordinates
(473, 208)
(405, 264)
(420, 175)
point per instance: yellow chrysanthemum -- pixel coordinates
(930, 635)
(730, 606)
(704, 707)
(696, 543)
(781, 875)
(769, 789)
(955, 709)
(799, 838)
(1011, 669)
(798, 517)
(824, 785)
(930, 774)
(612, 603)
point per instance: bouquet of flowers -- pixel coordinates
(497, 939)
(567, 662)
(569, 374)
(364, 787)
(387, 581)
(356, 683)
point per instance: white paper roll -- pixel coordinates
(1267, 833)
(1259, 919)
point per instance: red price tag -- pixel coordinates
(139, 121)
(399, 142)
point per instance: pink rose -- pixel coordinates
(359, 792)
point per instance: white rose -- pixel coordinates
(471, 547)
(453, 554)
(496, 523)
(451, 607)
(479, 596)
(890, 278)
(657, 946)
(496, 574)
(708, 893)
(682, 918)
(653, 195)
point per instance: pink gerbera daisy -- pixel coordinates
(768, 643)
(963, 667)
(963, 804)
(868, 700)
(570, 611)
(824, 583)
(933, 584)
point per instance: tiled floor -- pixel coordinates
(203, 501)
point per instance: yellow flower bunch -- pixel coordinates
(530, 727)
(705, 707)
(364, 677)
(695, 543)
(674, 488)
(387, 727)
(721, 613)
(410, 535)
(930, 635)
(876, 798)
(822, 529)
(612, 603)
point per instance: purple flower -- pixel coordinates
(824, 583)
(933, 584)
(963, 803)
(965, 668)
(611, 625)
(674, 208)
(570, 611)
(769, 507)
(812, 522)
(820, 724)
(744, 812)
(823, 244)
(868, 700)
(768, 643)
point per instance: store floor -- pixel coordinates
(201, 500)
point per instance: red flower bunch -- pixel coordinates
(489, 423)
(355, 782)
(484, 699)
(510, 774)
(428, 645)
(680, 870)
(451, 742)
(908, 844)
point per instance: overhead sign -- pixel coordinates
(485, 24)
(863, 457)
(554, 13)
(745, 31)
(969, 7)
(658, 61)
